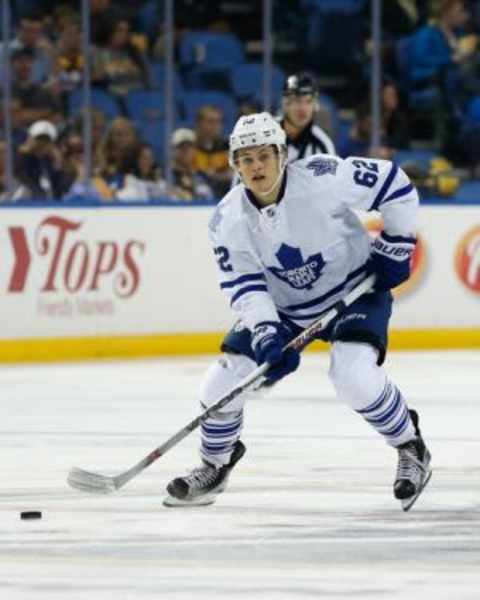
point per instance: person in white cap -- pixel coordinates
(43, 129)
(39, 164)
(190, 183)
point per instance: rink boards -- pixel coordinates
(137, 281)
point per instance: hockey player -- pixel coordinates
(300, 105)
(288, 246)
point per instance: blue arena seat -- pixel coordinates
(420, 156)
(334, 37)
(246, 81)
(210, 50)
(329, 6)
(157, 78)
(99, 99)
(148, 105)
(207, 57)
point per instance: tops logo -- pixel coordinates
(467, 259)
(72, 264)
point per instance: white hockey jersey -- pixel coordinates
(298, 257)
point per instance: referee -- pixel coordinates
(299, 105)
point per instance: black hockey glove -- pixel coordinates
(390, 260)
(268, 340)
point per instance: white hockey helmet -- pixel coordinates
(258, 129)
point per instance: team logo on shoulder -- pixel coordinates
(297, 272)
(323, 166)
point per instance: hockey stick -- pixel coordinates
(95, 483)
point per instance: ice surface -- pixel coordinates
(309, 512)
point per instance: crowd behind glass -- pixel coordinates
(430, 92)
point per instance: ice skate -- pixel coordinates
(202, 485)
(413, 471)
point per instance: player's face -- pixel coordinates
(258, 167)
(300, 109)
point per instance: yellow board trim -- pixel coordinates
(90, 348)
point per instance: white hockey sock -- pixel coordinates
(222, 429)
(219, 436)
(389, 416)
(362, 384)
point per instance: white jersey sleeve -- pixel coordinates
(240, 271)
(371, 184)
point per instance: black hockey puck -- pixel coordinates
(31, 514)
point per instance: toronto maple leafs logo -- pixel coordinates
(298, 273)
(322, 166)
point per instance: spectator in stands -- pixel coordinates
(37, 102)
(357, 141)
(102, 14)
(120, 134)
(19, 131)
(395, 122)
(438, 53)
(39, 164)
(211, 151)
(119, 66)
(60, 16)
(16, 193)
(394, 127)
(248, 107)
(190, 183)
(299, 104)
(147, 165)
(30, 37)
(137, 185)
(67, 71)
(78, 187)
(99, 129)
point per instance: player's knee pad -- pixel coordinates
(355, 374)
(223, 375)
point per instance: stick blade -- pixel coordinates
(92, 483)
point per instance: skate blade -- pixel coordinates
(409, 502)
(172, 502)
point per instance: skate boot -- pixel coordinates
(202, 485)
(413, 471)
